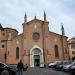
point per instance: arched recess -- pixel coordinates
(17, 52)
(36, 50)
(56, 51)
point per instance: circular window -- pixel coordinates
(36, 36)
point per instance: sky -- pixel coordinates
(57, 11)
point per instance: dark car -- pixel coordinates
(58, 66)
(3, 67)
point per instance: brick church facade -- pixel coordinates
(34, 46)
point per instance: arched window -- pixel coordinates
(56, 51)
(17, 53)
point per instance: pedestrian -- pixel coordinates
(20, 67)
(26, 67)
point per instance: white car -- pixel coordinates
(51, 65)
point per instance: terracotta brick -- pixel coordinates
(25, 42)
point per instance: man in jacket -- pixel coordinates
(20, 67)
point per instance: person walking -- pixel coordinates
(20, 67)
(25, 67)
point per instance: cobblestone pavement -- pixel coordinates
(42, 71)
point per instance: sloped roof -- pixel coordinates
(57, 34)
(10, 28)
(35, 20)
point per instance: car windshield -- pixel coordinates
(67, 62)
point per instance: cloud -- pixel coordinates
(12, 13)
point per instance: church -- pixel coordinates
(35, 45)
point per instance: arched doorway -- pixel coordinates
(36, 57)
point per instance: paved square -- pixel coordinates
(43, 71)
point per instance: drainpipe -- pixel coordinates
(44, 44)
(5, 55)
(62, 46)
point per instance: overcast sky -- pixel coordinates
(57, 11)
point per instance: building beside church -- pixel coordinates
(34, 46)
(71, 45)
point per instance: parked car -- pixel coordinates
(3, 66)
(68, 67)
(53, 64)
(58, 66)
(72, 69)
(72, 66)
(62, 64)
